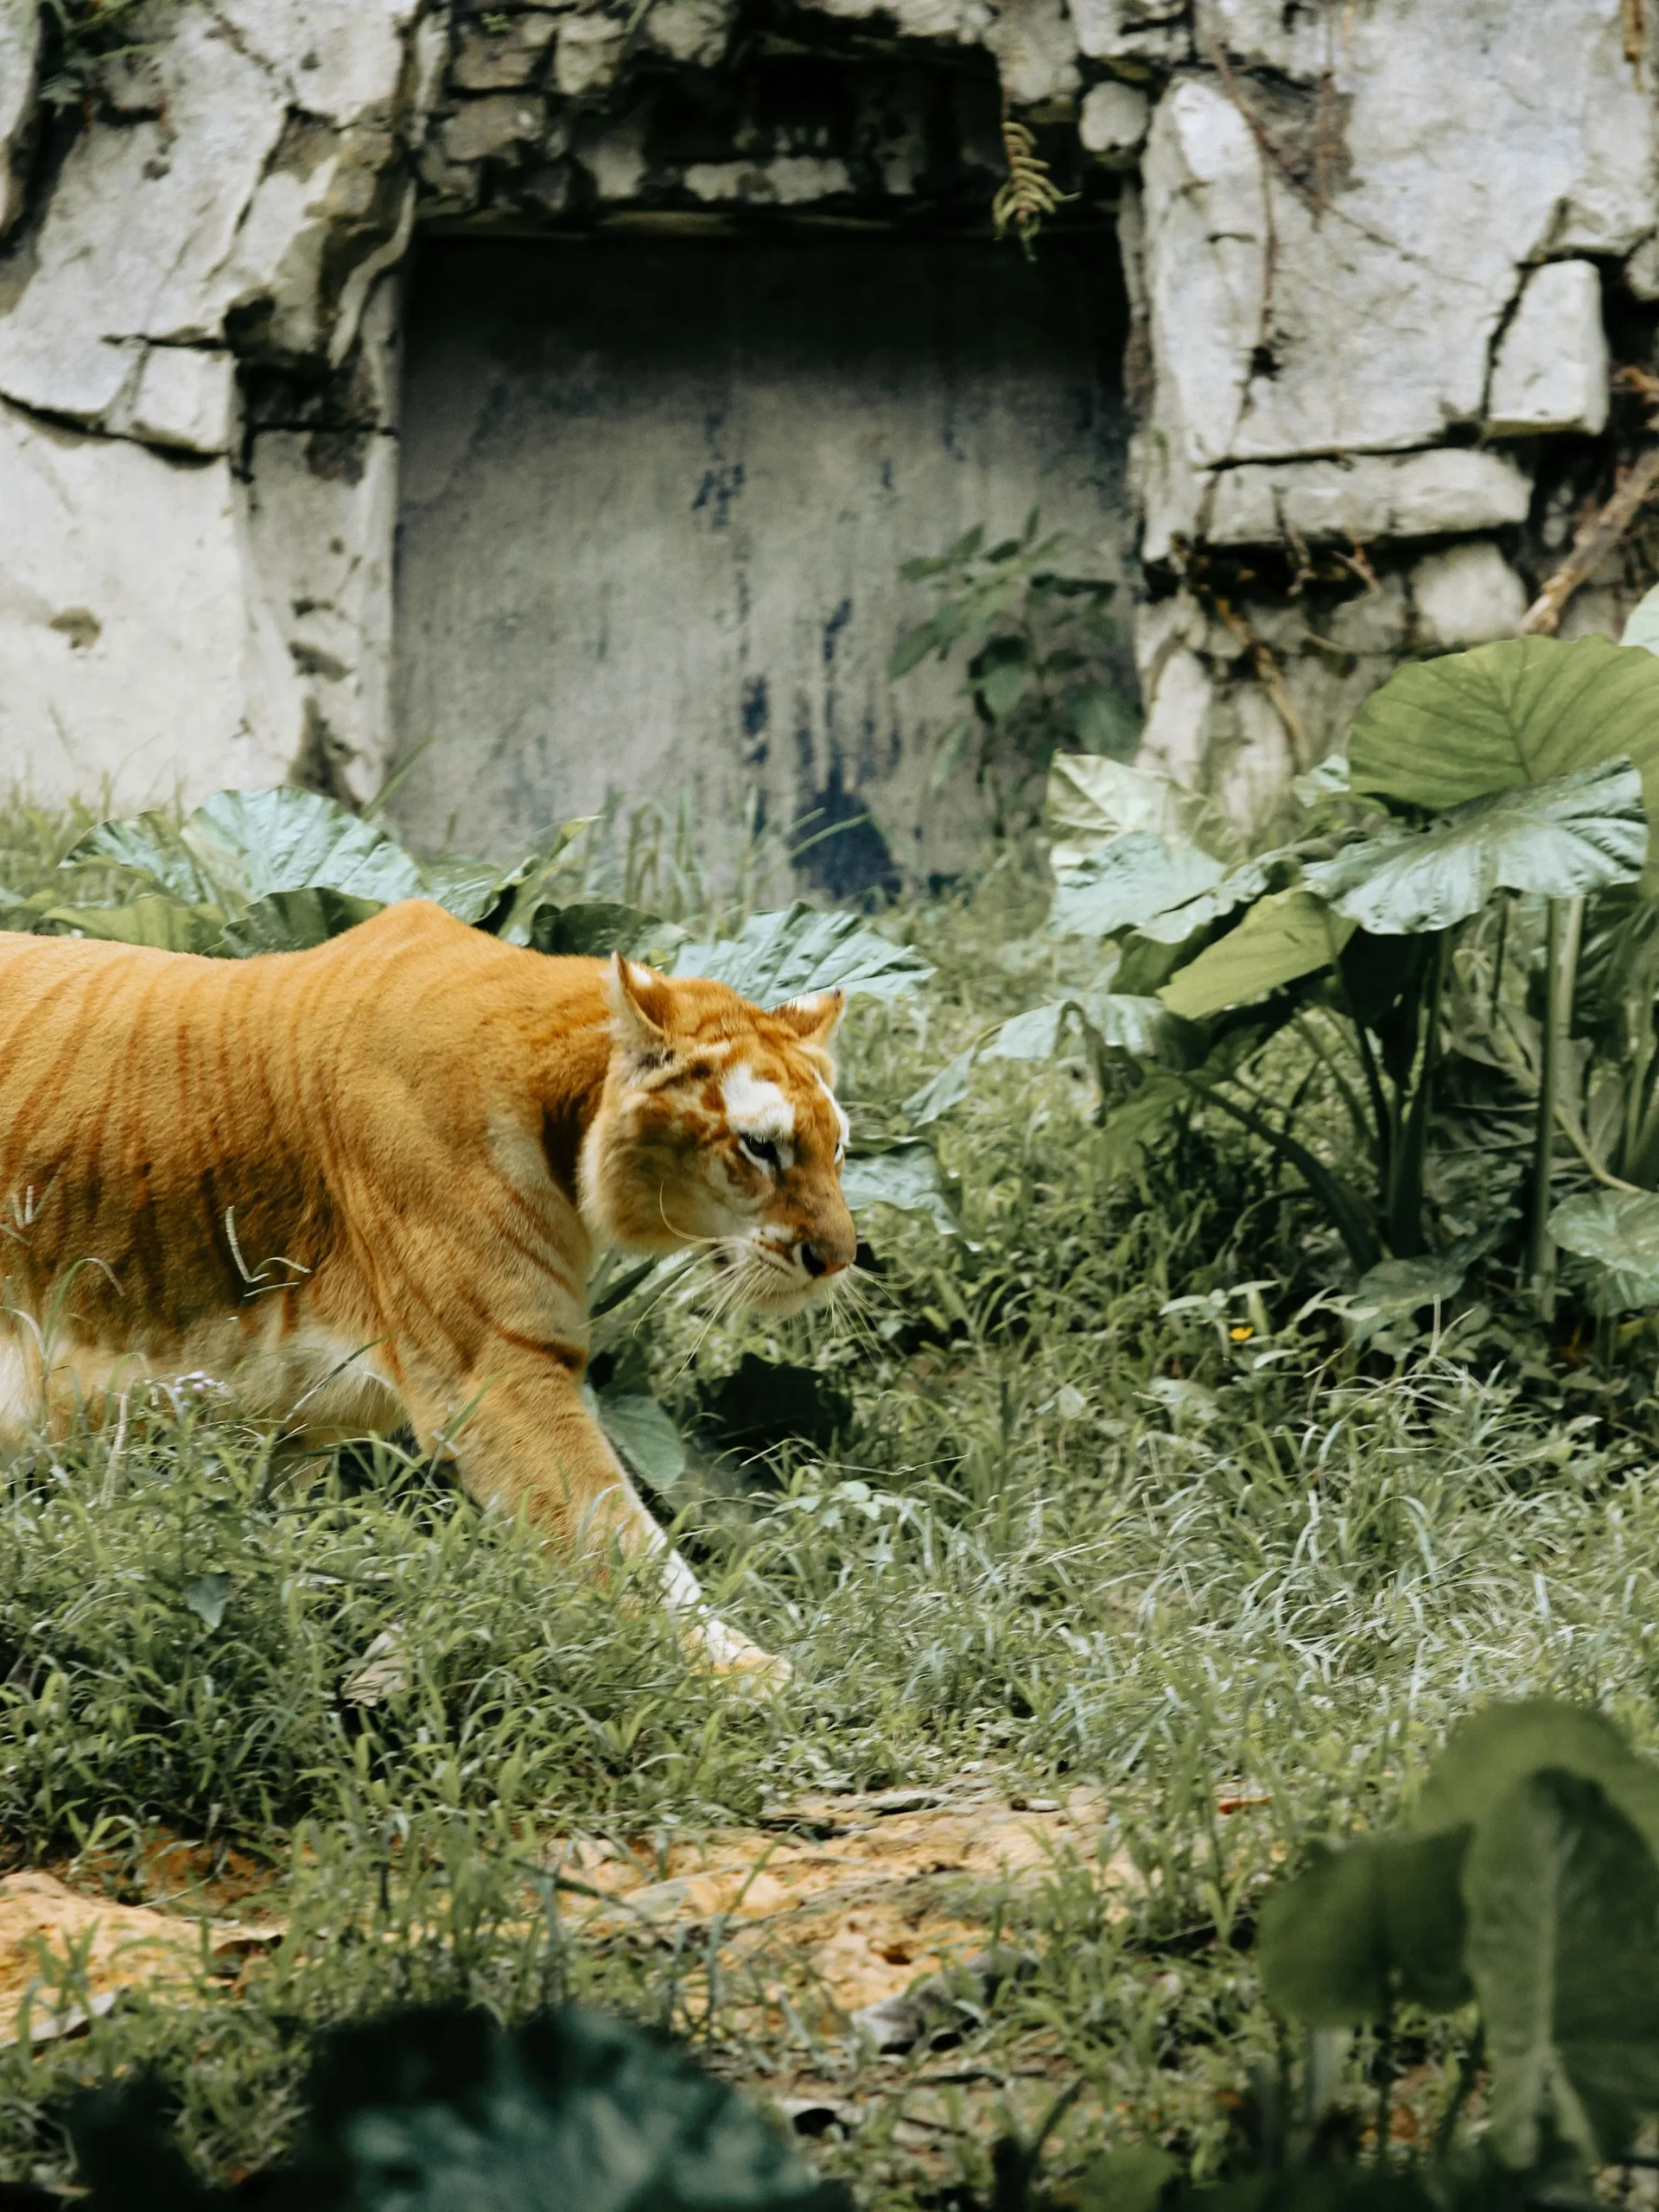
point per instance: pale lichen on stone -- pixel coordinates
(20, 47)
(1552, 365)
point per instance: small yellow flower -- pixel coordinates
(1241, 1336)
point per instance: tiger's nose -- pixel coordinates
(816, 1263)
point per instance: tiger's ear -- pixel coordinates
(813, 1020)
(637, 1000)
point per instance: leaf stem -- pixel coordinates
(1347, 1217)
(1373, 1077)
(1406, 1191)
(1385, 2084)
(1303, 1027)
(1468, 2074)
(1576, 1137)
(1499, 954)
(1563, 933)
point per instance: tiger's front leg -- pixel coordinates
(526, 1442)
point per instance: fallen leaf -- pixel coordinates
(383, 1672)
(65, 1957)
(848, 1901)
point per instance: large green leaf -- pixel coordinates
(596, 928)
(239, 846)
(1487, 1754)
(1141, 1123)
(1127, 881)
(1174, 925)
(1327, 779)
(1284, 936)
(149, 845)
(1145, 964)
(151, 918)
(1115, 1020)
(1400, 1287)
(1620, 1230)
(1443, 732)
(942, 1091)
(441, 2110)
(1563, 1949)
(1091, 800)
(1365, 1926)
(467, 889)
(1037, 1034)
(644, 1436)
(1142, 1026)
(1236, 888)
(800, 950)
(907, 1177)
(291, 921)
(254, 842)
(1576, 833)
(1643, 628)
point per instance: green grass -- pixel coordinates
(1069, 1533)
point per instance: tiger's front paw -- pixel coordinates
(732, 1652)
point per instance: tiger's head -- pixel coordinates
(718, 1128)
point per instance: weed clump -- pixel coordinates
(181, 1632)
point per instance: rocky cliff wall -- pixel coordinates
(1380, 257)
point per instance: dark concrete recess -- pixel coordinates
(654, 499)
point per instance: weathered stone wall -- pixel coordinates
(179, 556)
(1373, 246)
(1380, 255)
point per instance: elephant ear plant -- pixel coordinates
(440, 2109)
(1523, 1895)
(1411, 958)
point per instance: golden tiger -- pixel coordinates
(362, 1185)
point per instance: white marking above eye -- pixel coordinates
(756, 1110)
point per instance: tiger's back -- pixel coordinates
(243, 1166)
(361, 1184)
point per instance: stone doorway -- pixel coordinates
(654, 496)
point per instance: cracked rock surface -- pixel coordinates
(1330, 276)
(1551, 368)
(232, 197)
(262, 158)
(1370, 247)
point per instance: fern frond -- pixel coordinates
(1030, 194)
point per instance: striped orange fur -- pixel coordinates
(362, 1185)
